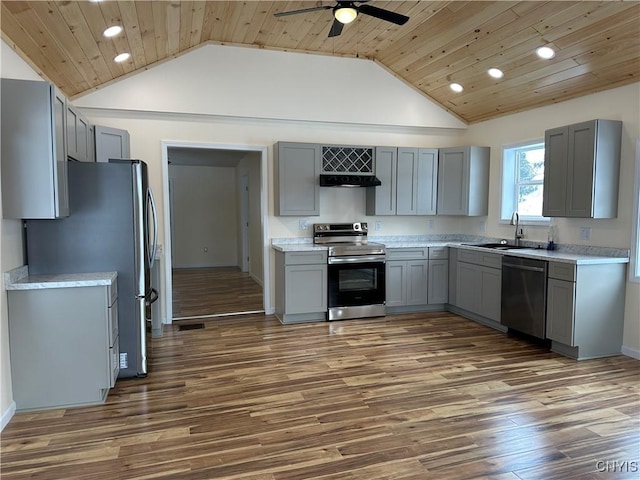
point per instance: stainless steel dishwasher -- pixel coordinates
(524, 295)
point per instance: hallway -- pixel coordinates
(214, 291)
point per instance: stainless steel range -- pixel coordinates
(356, 267)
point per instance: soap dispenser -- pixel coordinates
(552, 236)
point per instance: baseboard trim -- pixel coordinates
(630, 352)
(7, 415)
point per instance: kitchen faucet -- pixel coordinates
(515, 220)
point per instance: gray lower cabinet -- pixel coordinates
(416, 278)
(438, 284)
(581, 166)
(585, 309)
(409, 178)
(479, 284)
(406, 282)
(301, 286)
(110, 143)
(34, 150)
(64, 345)
(463, 181)
(297, 170)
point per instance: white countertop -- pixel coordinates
(19, 279)
(535, 253)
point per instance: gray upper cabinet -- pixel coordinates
(79, 142)
(409, 182)
(582, 166)
(34, 157)
(381, 200)
(463, 181)
(110, 143)
(297, 170)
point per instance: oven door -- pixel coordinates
(356, 287)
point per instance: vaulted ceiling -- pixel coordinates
(597, 44)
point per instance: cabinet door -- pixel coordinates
(468, 290)
(417, 282)
(305, 288)
(560, 311)
(61, 165)
(491, 286)
(395, 279)
(438, 285)
(298, 170)
(427, 181)
(77, 135)
(407, 181)
(555, 172)
(111, 143)
(453, 181)
(381, 200)
(580, 169)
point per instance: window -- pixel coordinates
(522, 182)
(634, 274)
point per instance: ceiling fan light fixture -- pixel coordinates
(456, 87)
(345, 14)
(545, 52)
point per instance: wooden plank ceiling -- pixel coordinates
(597, 43)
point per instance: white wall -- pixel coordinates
(204, 216)
(253, 83)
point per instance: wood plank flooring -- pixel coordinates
(214, 291)
(404, 397)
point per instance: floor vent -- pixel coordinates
(190, 326)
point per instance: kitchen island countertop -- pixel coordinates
(19, 279)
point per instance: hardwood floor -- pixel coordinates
(404, 397)
(214, 291)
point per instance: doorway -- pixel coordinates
(215, 201)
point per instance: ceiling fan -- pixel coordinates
(346, 12)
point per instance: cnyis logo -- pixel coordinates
(617, 466)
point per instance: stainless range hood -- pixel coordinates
(348, 180)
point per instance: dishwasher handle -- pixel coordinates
(524, 267)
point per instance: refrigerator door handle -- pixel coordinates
(154, 249)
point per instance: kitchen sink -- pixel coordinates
(498, 246)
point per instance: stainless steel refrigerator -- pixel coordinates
(112, 226)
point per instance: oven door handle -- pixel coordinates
(358, 259)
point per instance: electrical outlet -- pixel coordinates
(378, 225)
(483, 226)
(303, 225)
(431, 224)
(585, 233)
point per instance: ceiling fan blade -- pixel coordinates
(336, 28)
(382, 14)
(304, 10)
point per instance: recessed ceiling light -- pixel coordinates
(545, 52)
(495, 73)
(122, 57)
(456, 87)
(112, 31)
